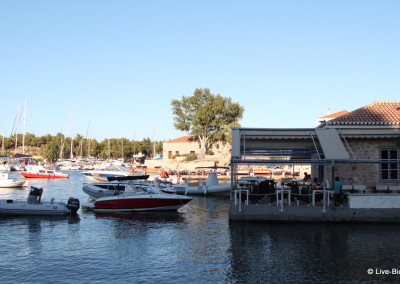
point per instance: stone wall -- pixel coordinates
(185, 148)
(356, 173)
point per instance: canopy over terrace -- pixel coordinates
(324, 145)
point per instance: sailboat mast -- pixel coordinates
(24, 129)
(16, 132)
(109, 149)
(88, 149)
(62, 145)
(71, 153)
(154, 142)
(122, 148)
(2, 146)
(154, 150)
(72, 127)
(86, 138)
(134, 145)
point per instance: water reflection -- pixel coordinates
(310, 253)
(25, 235)
(146, 217)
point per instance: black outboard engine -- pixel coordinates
(73, 205)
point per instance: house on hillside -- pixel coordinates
(362, 147)
(187, 145)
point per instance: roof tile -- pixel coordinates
(181, 139)
(376, 113)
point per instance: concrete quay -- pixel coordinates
(272, 213)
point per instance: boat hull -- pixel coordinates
(14, 207)
(47, 176)
(140, 203)
(222, 189)
(10, 184)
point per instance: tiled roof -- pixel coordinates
(375, 113)
(334, 115)
(181, 139)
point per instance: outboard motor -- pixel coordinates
(73, 205)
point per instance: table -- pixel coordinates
(328, 193)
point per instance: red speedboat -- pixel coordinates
(144, 198)
(41, 172)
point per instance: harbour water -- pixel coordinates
(198, 244)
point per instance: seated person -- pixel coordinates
(315, 184)
(338, 193)
(307, 177)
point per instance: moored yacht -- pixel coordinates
(138, 198)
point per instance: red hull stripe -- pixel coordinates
(136, 203)
(27, 175)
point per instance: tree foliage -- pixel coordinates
(50, 152)
(59, 147)
(206, 116)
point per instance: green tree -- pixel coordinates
(50, 151)
(206, 116)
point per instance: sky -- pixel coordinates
(110, 69)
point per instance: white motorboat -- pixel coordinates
(4, 168)
(144, 198)
(101, 175)
(7, 182)
(36, 171)
(114, 186)
(210, 187)
(34, 206)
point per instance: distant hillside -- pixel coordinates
(34, 151)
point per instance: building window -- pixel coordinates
(389, 169)
(176, 153)
(217, 146)
(192, 152)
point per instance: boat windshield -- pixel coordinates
(141, 189)
(152, 190)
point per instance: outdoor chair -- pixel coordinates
(382, 188)
(360, 188)
(394, 188)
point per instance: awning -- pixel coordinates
(331, 144)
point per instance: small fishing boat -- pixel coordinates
(41, 172)
(7, 182)
(145, 198)
(35, 206)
